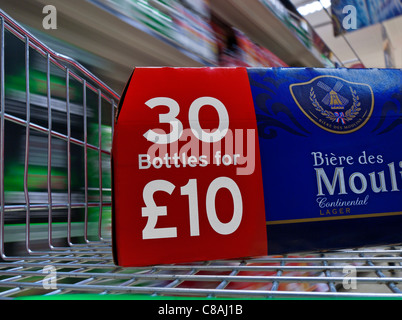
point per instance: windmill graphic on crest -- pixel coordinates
(333, 98)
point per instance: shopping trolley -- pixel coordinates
(55, 202)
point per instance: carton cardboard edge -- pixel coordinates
(114, 239)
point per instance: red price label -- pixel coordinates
(186, 168)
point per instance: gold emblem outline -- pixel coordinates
(318, 124)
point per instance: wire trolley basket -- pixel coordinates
(56, 130)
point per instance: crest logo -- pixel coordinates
(334, 104)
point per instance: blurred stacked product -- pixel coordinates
(152, 17)
(255, 55)
(99, 190)
(283, 286)
(264, 271)
(278, 9)
(236, 49)
(293, 20)
(191, 25)
(194, 30)
(302, 30)
(228, 50)
(185, 23)
(321, 49)
(200, 31)
(26, 164)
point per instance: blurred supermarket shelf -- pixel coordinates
(255, 19)
(113, 36)
(120, 42)
(17, 232)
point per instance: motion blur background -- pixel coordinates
(110, 37)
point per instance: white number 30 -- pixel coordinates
(193, 115)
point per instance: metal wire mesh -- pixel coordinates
(56, 241)
(89, 269)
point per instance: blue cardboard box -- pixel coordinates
(331, 156)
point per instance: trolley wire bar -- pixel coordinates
(72, 224)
